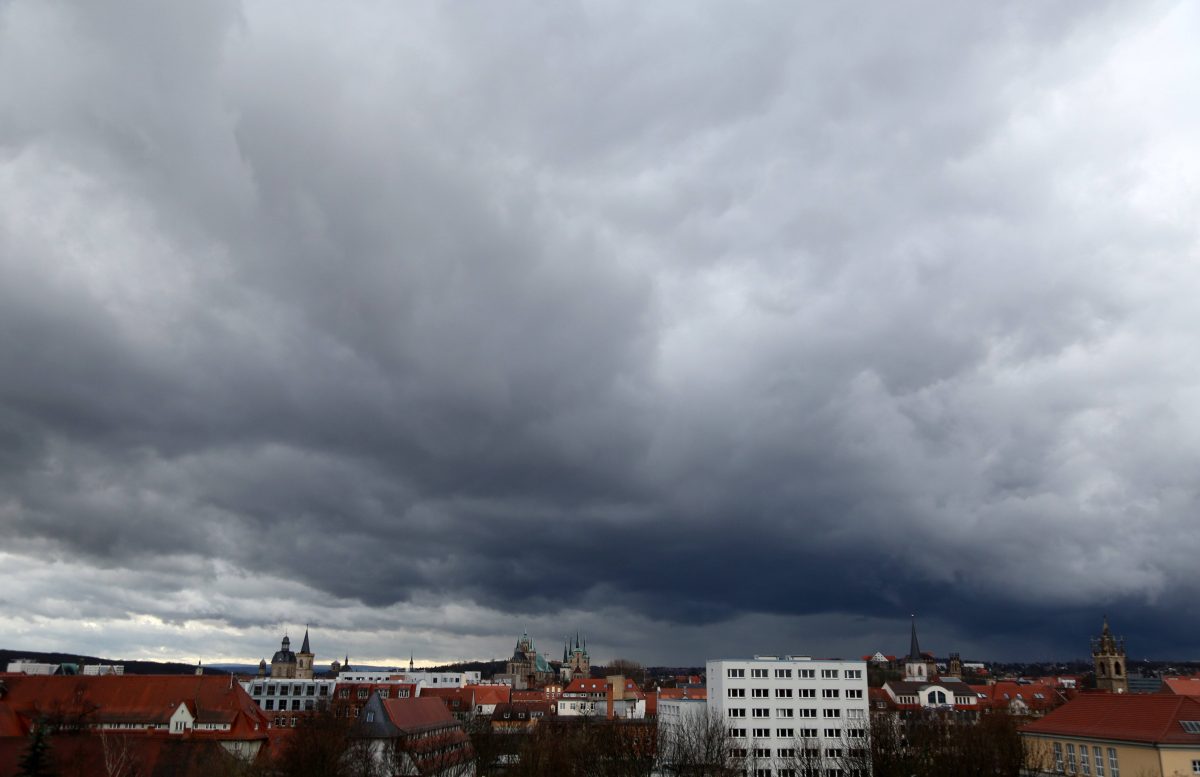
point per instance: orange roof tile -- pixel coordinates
(1152, 718)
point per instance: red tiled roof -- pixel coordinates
(1036, 696)
(491, 694)
(582, 685)
(135, 699)
(1182, 686)
(527, 696)
(1129, 717)
(418, 714)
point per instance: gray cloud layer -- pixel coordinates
(430, 322)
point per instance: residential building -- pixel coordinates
(584, 697)
(1019, 698)
(350, 698)
(782, 708)
(29, 667)
(140, 710)
(520, 717)
(459, 701)
(947, 694)
(275, 695)
(416, 737)
(487, 697)
(1110, 735)
(691, 692)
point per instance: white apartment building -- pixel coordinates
(788, 714)
(280, 694)
(422, 678)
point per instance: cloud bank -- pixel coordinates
(706, 329)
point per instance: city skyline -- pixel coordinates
(697, 328)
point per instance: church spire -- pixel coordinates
(304, 645)
(914, 649)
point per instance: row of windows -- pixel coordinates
(269, 704)
(784, 712)
(1083, 765)
(296, 690)
(826, 674)
(806, 772)
(798, 733)
(788, 693)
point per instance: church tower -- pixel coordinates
(1108, 656)
(283, 663)
(304, 660)
(916, 667)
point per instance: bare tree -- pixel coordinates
(699, 746)
(118, 757)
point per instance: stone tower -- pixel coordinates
(283, 663)
(304, 660)
(1108, 656)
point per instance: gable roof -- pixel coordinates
(135, 699)
(1182, 686)
(1036, 696)
(586, 685)
(491, 694)
(419, 714)
(1151, 718)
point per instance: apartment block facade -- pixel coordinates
(787, 715)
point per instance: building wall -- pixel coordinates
(274, 694)
(817, 712)
(1133, 759)
(1179, 761)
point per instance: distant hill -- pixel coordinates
(131, 666)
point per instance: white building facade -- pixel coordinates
(788, 714)
(421, 677)
(280, 694)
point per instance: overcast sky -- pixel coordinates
(707, 329)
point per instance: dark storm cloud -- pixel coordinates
(429, 324)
